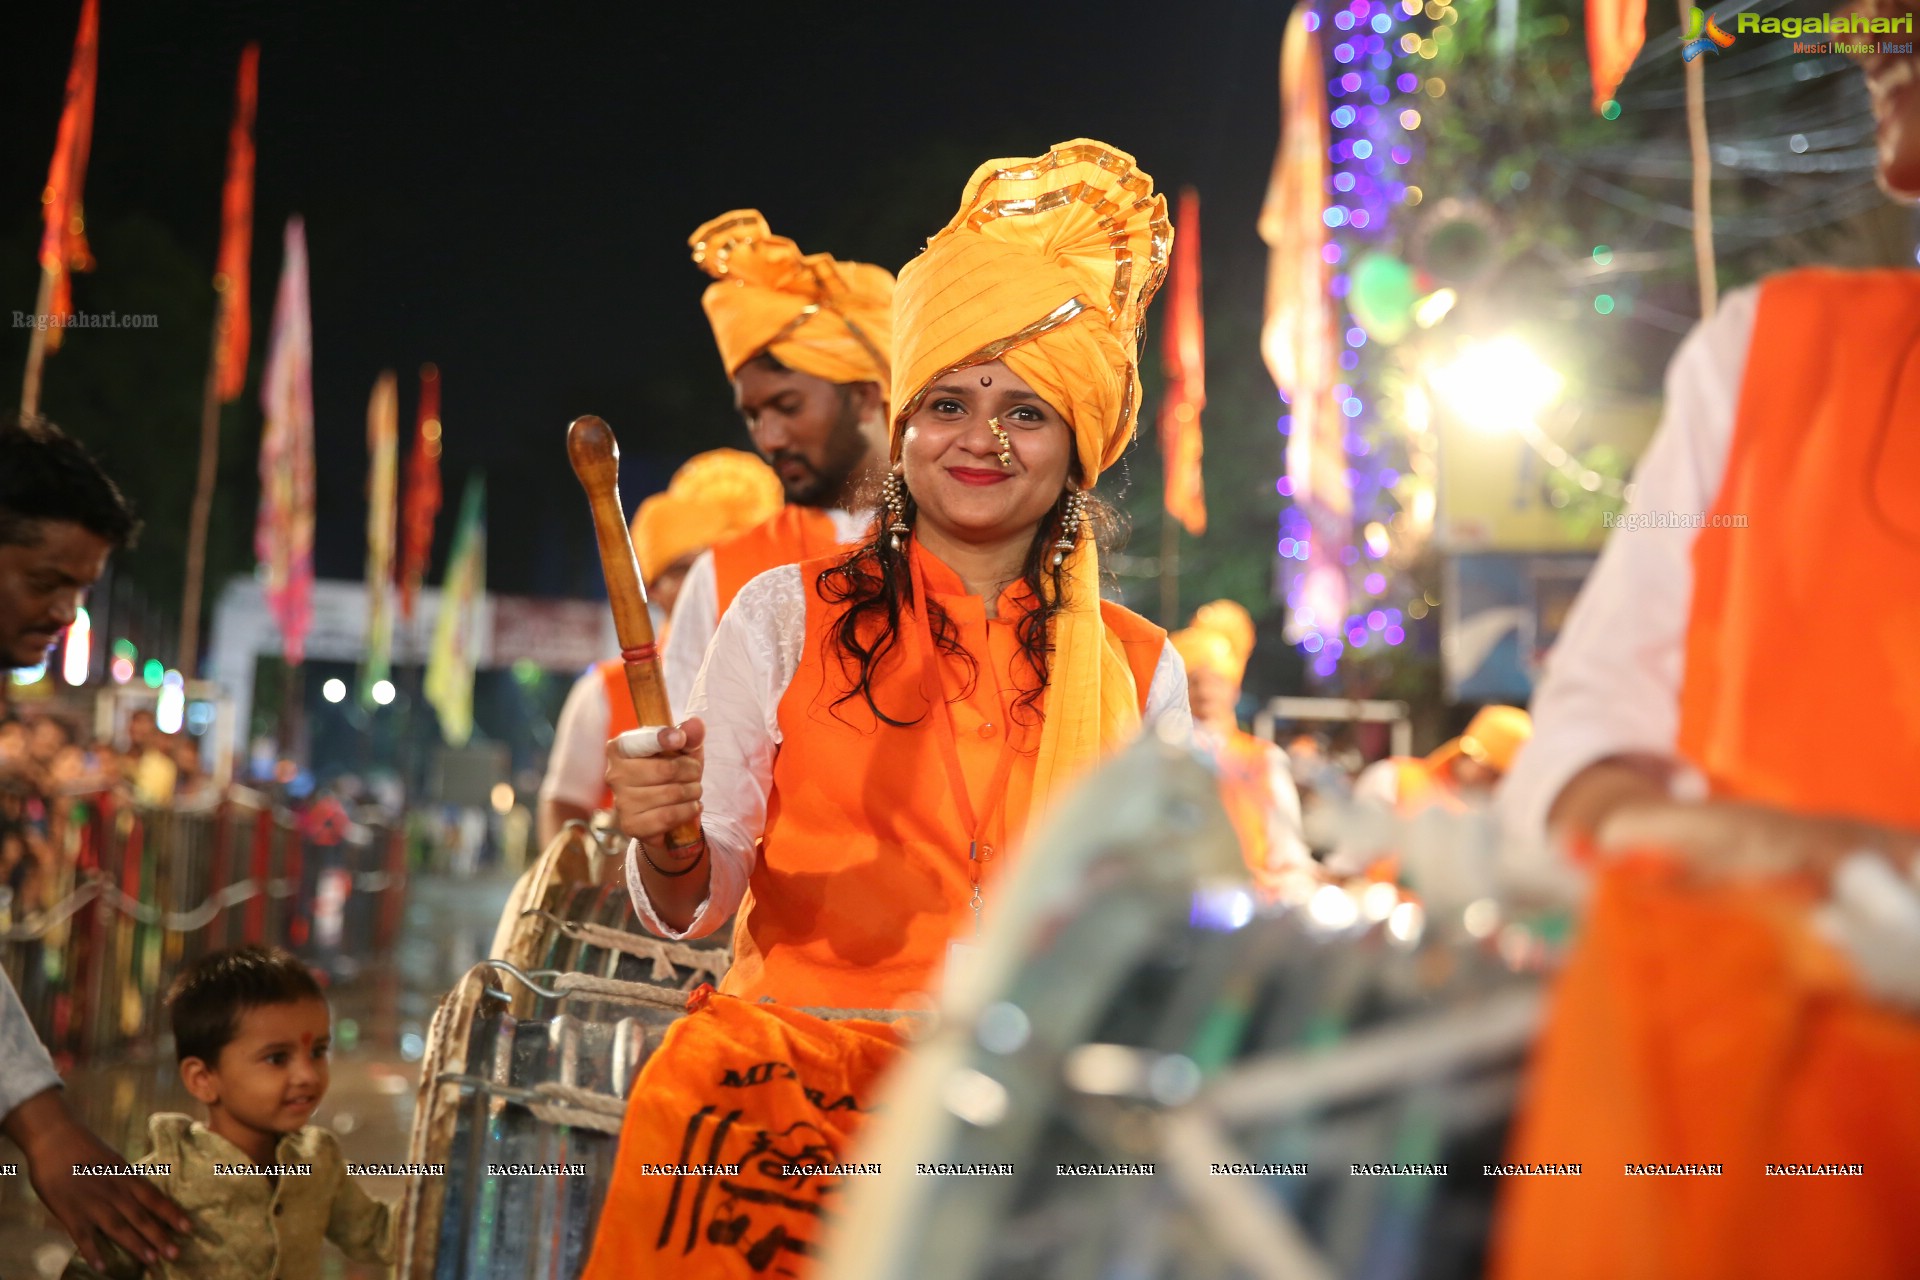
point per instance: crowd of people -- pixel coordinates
(46, 766)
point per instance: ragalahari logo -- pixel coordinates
(1703, 33)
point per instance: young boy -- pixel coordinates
(263, 1186)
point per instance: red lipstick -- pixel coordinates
(970, 475)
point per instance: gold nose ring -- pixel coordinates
(1006, 445)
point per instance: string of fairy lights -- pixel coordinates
(1373, 98)
(1777, 114)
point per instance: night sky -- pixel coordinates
(507, 191)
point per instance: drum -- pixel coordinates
(525, 1075)
(1154, 1076)
(571, 913)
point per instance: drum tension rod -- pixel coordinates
(601, 844)
(526, 979)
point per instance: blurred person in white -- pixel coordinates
(60, 518)
(1726, 733)
(1256, 779)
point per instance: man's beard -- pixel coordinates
(823, 485)
(811, 489)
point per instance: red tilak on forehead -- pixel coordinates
(306, 1039)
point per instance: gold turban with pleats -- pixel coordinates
(713, 496)
(820, 316)
(1219, 639)
(1049, 266)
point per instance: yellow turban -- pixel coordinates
(1493, 738)
(1049, 266)
(822, 317)
(715, 495)
(1495, 735)
(1220, 639)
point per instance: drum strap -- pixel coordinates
(665, 955)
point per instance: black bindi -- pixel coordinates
(986, 382)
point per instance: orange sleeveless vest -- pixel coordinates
(620, 716)
(796, 533)
(1246, 789)
(863, 875)
(1711, 1025)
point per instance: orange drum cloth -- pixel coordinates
(1711, 1026)
(797, 533)
(772, 1092)
(863, 876)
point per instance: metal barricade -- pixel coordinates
(133, 893)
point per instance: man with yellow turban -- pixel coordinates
(805, 340)
(1467, 767)
(1462, 771)
(1256, 781)
(714, 496)
(873, 732)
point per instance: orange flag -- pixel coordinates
(1184, 352)
(423, 492)
(63, 243)
(1297, 338)
(1615, 31)
(236, 236)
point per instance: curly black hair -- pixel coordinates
(875, 585)
(45, 474)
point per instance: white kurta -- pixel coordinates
(1612, 681)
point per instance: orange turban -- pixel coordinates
(1049, 266)
(822, 317)
(1493, 738)
(715, 495)
(1220, 639)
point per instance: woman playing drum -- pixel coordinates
(872, 731)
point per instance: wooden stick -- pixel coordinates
(595, 455)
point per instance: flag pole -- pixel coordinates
(1169, 571)
(37, 345)
(232, 328)
(1696, 77)
(202, 512)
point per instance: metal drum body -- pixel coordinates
(1134, 1008)
(528, 1063)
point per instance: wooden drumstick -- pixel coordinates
(595, 455)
